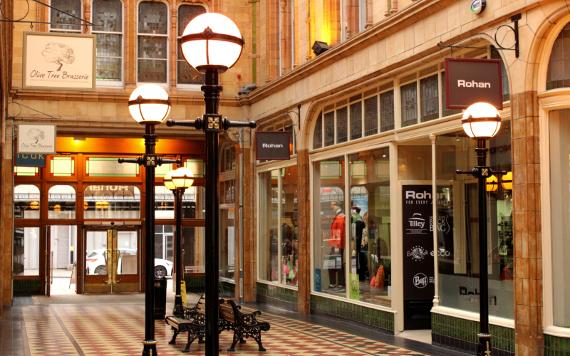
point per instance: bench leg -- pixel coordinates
(174, 335)
(257, 338)
(191, 338)
(235, 341)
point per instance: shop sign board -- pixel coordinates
(36, 138)
(272, 145)
(30, 160)
(62, 61)
(468, 81)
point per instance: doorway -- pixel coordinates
(112, 259)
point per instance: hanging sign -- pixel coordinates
(63, 61)
(30, 160)
(36, 138)
(468, 81)
(272, 145)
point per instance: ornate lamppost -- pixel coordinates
(212, 43)
(178, 181)
(149, 105)
(482, 122)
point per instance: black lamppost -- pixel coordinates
(481, 121)
(149, 105)
(212, 43)
(178, 181)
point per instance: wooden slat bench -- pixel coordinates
(193, 322)
(244, 325)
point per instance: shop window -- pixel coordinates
(330, 227)
(108, 28)
(26, 261)
(110, 167)
(112, 202)
(26, 201)
(318, 133)
(194, 203)
(409, 104)
(61, 202)
(370, 265)
(227, 242)
(160, 171)
(61, 22)
(62, 166)
(164, 242)
(185, 74)
(196, 166)
(269, 226)
(371, 116)
(356, 120)
(429, 98)
(387, 111)
(193, 250)
(278, 226)
(152, 46)
(458, 229)
(558, 75)
(26, 171)
(560, 218)
(163, 202)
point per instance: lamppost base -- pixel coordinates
(149, 348)
(484, 344)
(178, 307)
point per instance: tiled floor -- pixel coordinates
(114, 325)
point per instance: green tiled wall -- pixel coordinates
(271, 294)
(554, 345)
(27, 287)
(462, 333)
(374, 317)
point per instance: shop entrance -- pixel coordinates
(112, 259)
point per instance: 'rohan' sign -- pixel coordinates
(272, 145)
(468, 81)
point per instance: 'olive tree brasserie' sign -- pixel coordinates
(63, 61)
(472, 80)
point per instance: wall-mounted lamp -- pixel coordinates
(319, 47)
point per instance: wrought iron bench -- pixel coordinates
(244, 325)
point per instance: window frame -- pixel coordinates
(185, 86)
(105, 82)
(62, 30)
(166, 36)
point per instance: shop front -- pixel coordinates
(78, 218)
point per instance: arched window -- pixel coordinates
(61, 202)
(108, 20)
(558, 70)
(112, 202)
(26, 201)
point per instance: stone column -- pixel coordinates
(6, 213)
(304, 206)
(249, 222)
(527, 225)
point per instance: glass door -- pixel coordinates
(61, 259)
(112, 259)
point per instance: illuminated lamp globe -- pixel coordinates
(481, 121)
(149, 104)
(182, 178)
(167, 180)
(507, 181)
(492, 184)
(211, 41)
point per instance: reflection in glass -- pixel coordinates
(186, 74)
(268, 225)
(59, 21)
(26, 258)
(108, 20)
(163, 203)
(370, 267)
(61, 202)
(194, 249)
(26, 201)
(289, 226)
(330, 220)
(112, 202)
(409, 104)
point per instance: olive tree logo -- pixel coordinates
(58, 53)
